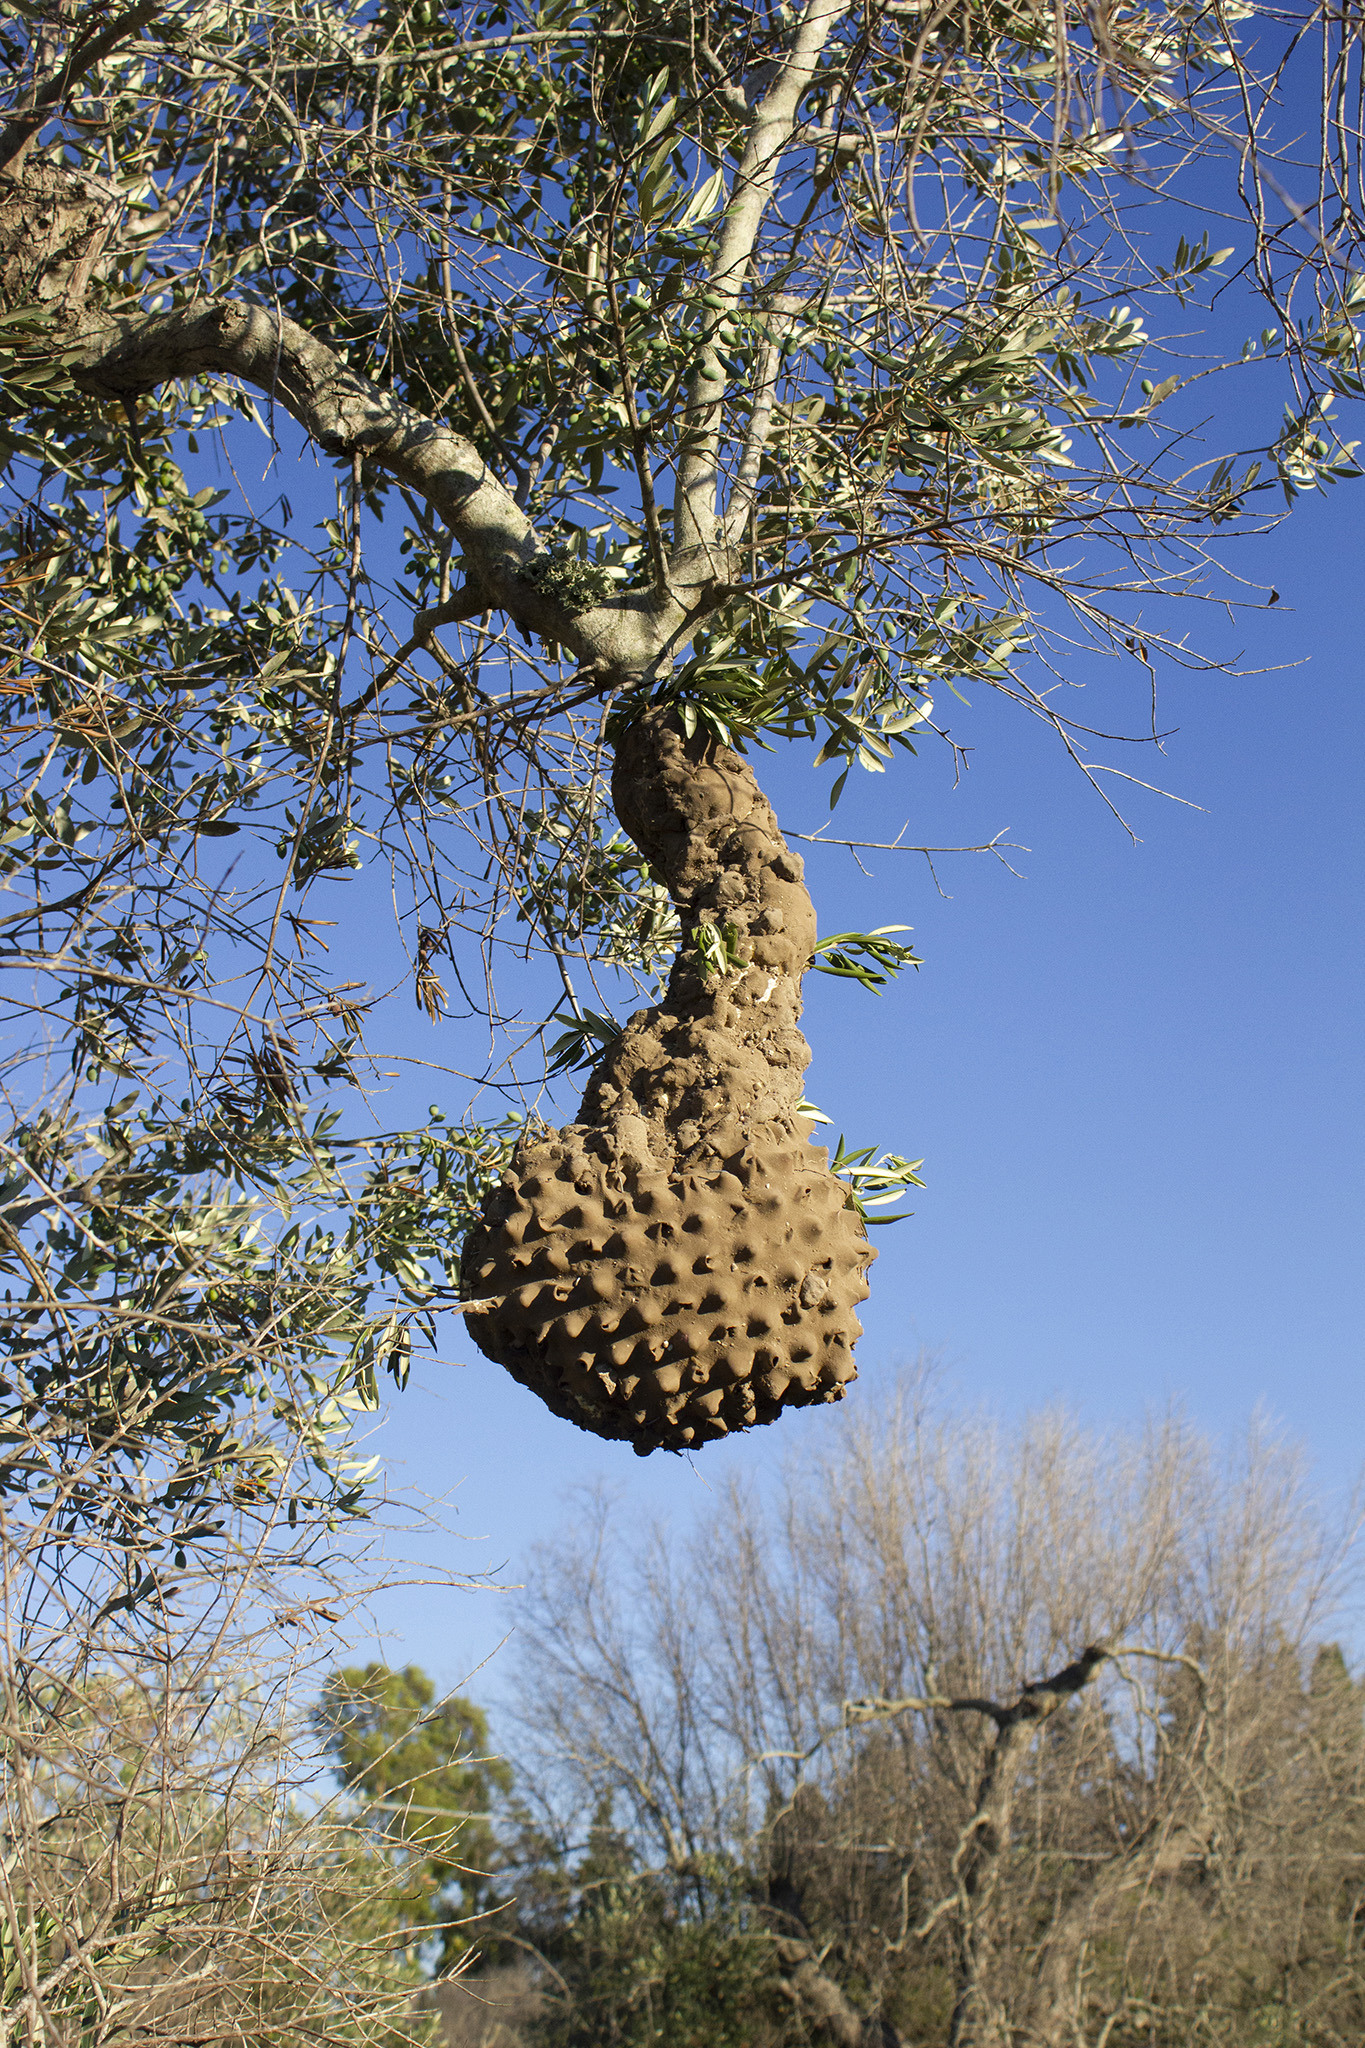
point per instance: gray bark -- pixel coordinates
(348, 414)
(824, 2004)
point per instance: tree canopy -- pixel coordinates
(773, 373)
(957, 1732)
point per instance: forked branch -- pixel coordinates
(347, 414)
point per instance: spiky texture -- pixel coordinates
(679, 1261)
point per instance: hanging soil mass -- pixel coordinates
(680, 1262)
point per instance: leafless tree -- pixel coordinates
(1018, 1736)
(176, 1867)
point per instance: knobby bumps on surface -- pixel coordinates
(680, 1262)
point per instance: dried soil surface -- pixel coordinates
(679, 1261)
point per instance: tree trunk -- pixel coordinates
(979, 2016)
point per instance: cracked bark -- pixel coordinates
(55, 228)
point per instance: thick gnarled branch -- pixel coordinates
(986, 1838)
(348, 414)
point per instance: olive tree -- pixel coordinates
(679, 379)
(657, 382)
(173, 1871)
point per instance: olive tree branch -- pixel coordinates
(774, 120)
(347, 414)
(87, 50)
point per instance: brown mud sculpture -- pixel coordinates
(680, 1262)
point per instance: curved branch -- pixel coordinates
(347, 415)
(1035, 1702)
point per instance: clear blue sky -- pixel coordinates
(1135, 1075)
